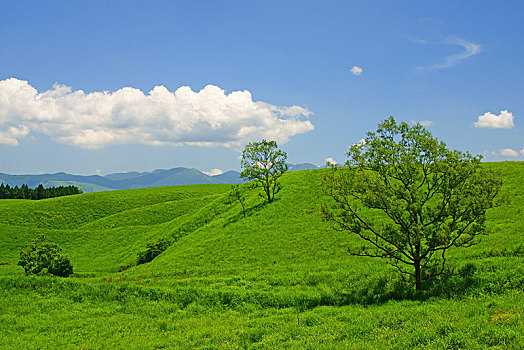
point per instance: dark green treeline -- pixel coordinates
(40, 192)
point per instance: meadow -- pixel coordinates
(278, 278)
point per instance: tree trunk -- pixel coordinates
(418, 278)
(268, 190)
(268, 193)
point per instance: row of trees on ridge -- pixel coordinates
(40, 192)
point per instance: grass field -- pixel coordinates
(278, 278)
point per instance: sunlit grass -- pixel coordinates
(280, 277)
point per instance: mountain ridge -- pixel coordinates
(119, 181)
(133, 179)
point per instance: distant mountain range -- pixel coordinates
(129, 180)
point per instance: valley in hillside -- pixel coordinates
(276, 277)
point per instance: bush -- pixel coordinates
(40, 257)
(153, 250)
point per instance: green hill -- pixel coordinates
(280, 277)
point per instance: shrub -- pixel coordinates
(153, 250)
(41, 256)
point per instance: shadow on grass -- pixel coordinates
(374, 292)
(248, 212)
(383, 289)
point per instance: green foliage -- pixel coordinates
(424, 198)
(264, 162)
(40, 192)
(42, 256)
(153, 250)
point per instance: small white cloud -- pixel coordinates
(98, 172)
(209, 117)
(213, 172)
(508, 152)
(522, 151)
(360, 142)
(493, 121)
(424, 123)
(356, 70)
(331, 161)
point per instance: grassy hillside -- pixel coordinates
(100, 231)
(279, 277)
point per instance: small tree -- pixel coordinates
(410, 198)
(41, 256)
(236, 194)
(264, 162)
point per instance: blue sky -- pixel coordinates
(282, 70)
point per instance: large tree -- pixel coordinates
(264, 162)
(410, 198)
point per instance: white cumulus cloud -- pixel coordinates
(504, 120)
(356, 70)
(508, 152)
(522, 151)
(213, 172)
(209, 117)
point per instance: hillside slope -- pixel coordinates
(100, 231)
(283, 243)
(278, 277)
(286, 246)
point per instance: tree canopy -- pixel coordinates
(264, 162)
(410, 198)
(42, 256)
